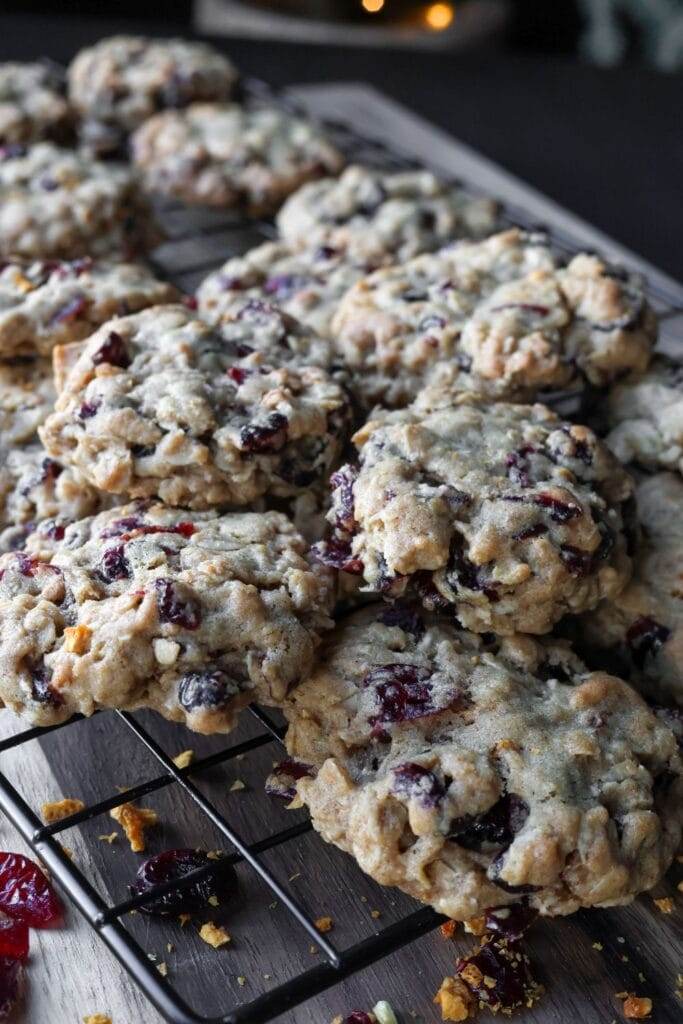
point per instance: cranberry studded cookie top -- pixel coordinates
(501, 310)
(192, 614)
(32, 106)
(646, 417)
(502, 513)
(159, 404)
(478, 772)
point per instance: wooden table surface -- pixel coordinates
(583, 960)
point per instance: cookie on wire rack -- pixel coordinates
(32, 103)
(645, 417)
(477, 772)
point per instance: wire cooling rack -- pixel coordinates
(198, 240)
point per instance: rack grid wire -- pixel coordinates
(198, 241)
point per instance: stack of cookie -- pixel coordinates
(330, 484)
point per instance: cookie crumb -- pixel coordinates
(384, 1013)
(170, 948)
(374, 914)
(637, 1007)
(214, 855)
(60, 809)
(184, 759)
(214, 936)
(475, 925)
(292, 878)
(237, 786)
(97, 1018)
(241, 981)
(68, 852)
(324, 924)
(448, 929)
(162, 969)
(184, 918)
(111, 838)
(134, 821)
(665, 904)
(599, 946)
(212, 901)
(455, 999)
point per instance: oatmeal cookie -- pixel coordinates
(192, 614)
(646, 417)
(119, 82)
(59, 204)
(32, 106)
(500, 309)
(378, 217)
(157, 404)
(44, 303)
(227, 155)
(307, 284)
(255, 325)
(27, 396)
(640, 631)
(503, 513)
(478, 772)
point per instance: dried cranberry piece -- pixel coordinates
(405, 617)
(121, 526)
(49, 470)
(418, 783)
(239, 374)
(342, 483)
(282, 780)
(177, 604)
(11, 985)
(531, 531)
(13, 938)
(269, 437)
(645, 637)
(41, 689)
(495, 827)
(523, 307)
(560, 511)
(25, 892)
(432, 598)
(358, 1017)
(578, 562)
(402, 693)
(518, 466)
(212, 689)
(415, 295)
(69, 311)
(173, 865)
(467, 574)
(113, 564)
(53, 528)
(190, 302)
(336, 553)
(87, 410)
(499, 974)
(283, 286)
(511, 922)
(113, 351)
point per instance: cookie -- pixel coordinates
(307, 284)
(500, 309)
(646, 417)
(158, 405)
(476, 773)
(27, 396)
(379, 217)
(227, 155)
(502, 514)
(640, 631)
(32, 106)
(256, 325)
(119, 82)
(44, 303)
(59, 204)
(194, 615)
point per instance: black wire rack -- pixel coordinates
(197, 241)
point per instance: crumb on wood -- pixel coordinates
(97, 1018)
(241, 981)
(214, 855)
(110, 838)
(170, 948)
(60, 809)
(455, 999)
(237, 786)
(448, 929)
(374, 914)
(212, 900)
(184, 919)
(665, 904)
(599, 946)
(184, 759)
(637, 1007)
(134, 821)
(162, 969)
(213, 935)
(324, 924)
(475, 925)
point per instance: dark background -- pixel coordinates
(605, 143)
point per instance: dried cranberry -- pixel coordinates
(41, 689)
(283, 286)
(342, 483)
(645, 637)
(69, 311)
(269, 437)
(113, 564)
(578, 562)
(25, 892)
(499, 974)
(13, 938)
(176, 603)
(518, 466)
(206, 690)
(495, 827)
(358, 1017)
(467, 574)
(432, 598)
(531, 531)
(337, 554)
(113, 351)
(404, 617)
(523, 307)
(87, 410)
(11, 985)
(560, 511)
(402, 693)
(53, 529)
(418, 783)
(49, 470)
(511, 922)
(190, 302)
(173, 865)
(282, 780)
(239, 374)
